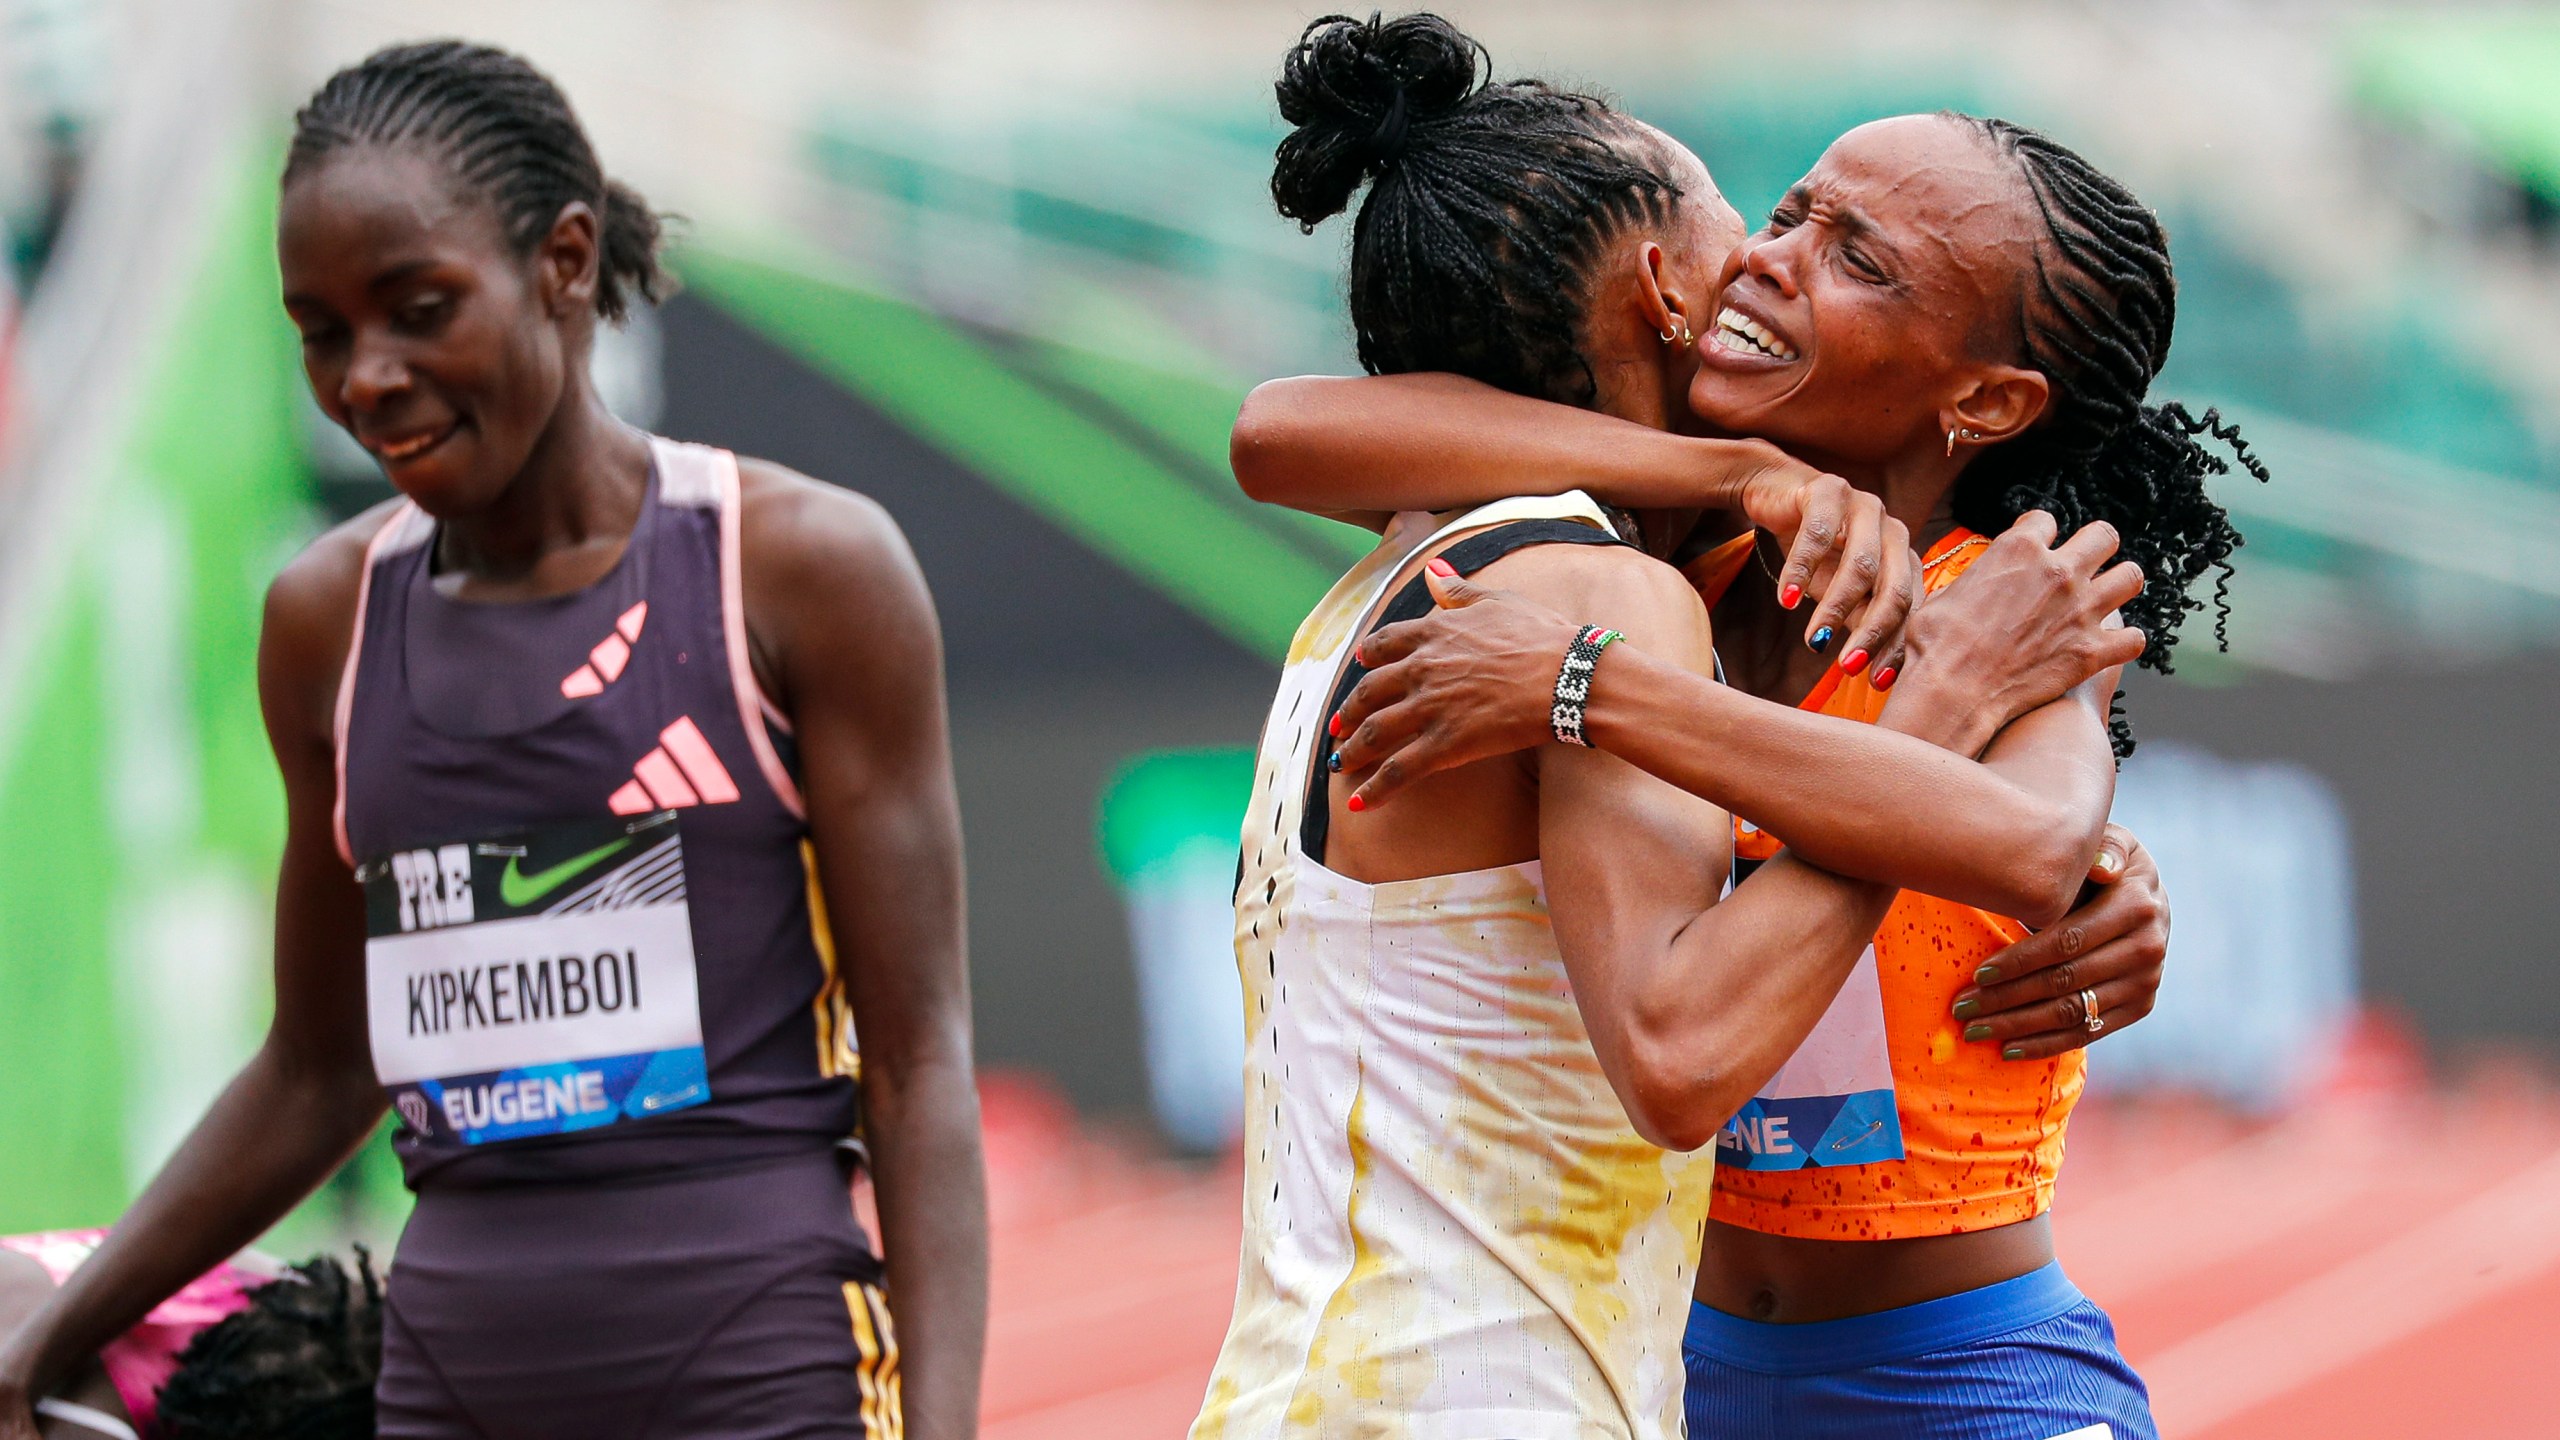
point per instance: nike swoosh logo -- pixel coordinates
(519, 889)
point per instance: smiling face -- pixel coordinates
(1883, 292)
(425, 334)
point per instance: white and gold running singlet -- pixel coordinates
(1451, 1231)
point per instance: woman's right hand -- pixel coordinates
(2027, 621)
(1842, 548)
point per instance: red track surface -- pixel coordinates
(2382, 1262)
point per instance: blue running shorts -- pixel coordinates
(2026, 1359)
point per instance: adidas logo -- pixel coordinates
(681, 770)
(604, 663)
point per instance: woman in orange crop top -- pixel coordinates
(1962, 317)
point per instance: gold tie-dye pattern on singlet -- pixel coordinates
(1450, 1226)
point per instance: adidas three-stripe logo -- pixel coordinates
(681, 770)
(604, 663)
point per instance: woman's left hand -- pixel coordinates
(2114, 946)
(1475, 678)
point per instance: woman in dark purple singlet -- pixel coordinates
(583, 738)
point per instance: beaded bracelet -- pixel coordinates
(1573, 681)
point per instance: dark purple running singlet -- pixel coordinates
(603, 1001)
(485, 751)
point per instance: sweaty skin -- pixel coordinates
(462, 367)
(1885, 336)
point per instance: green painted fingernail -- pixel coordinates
(1966, 1007)
(1987, 975)
(2014, 1052)
(1977, 1032)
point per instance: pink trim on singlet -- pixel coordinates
(373, 551)
(752, 705)
(142, 1359)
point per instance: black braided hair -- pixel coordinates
(1487, 202)
(506, 131)
(2097, 323)
(298, 1364)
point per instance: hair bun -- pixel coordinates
(1362, 94)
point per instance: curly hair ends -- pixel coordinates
(298, 1364)
(2097, 323)
(507, 132)
(1487, 201)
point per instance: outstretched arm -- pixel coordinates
(1360, 448)
(308, 1097)
(835, 593)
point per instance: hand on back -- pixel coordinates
(2031, 999)
(2029, 619)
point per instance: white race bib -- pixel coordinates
(1832, 1102)
(535, 984)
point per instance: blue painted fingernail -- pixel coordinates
(2014, 1052)
(1821, 640)
(1966, 1007)
(1977, 1031)
(1987, 975)
(1333, 761)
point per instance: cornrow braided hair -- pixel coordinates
(506, 131)
(1487, 202)
(2097, 324)
(298, 1364)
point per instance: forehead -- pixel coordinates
(1941, 196)
(376, 205)
(1925, 176)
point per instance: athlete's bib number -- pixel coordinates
(535, 984)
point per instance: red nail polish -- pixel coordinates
(1788, 597)
(1853, 662)
(1333, 727)
(1355, 805)
(1442, 568)
(1884, 678)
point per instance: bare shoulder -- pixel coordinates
(320, 582)
(311, 613)
(1617, 586)
(804, 536)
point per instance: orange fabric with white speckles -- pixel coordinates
(1982, 1136)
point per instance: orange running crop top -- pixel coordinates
(1982, 1136)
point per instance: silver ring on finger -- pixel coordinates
(2090, 1019)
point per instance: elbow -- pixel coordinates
(1675, 1096)
(2042, 887)
(1262, 436)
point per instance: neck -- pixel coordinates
(581, 483)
